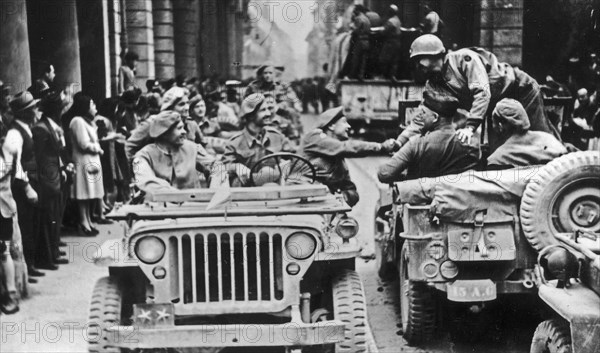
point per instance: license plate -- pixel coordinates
(471, 291)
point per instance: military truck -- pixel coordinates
(268, 266)
(371, 106)
(474, 236)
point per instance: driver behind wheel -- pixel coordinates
(327, 146)
(171, 161)
(255, 141)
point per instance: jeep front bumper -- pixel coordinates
(239, 335)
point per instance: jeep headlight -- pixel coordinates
(300, 245)
(150, 249)
(347, 228)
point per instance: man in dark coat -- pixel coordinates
(48, 147)
(392, 45)
(437, 153)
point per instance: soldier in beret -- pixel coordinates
(522, 147)
(171, 161)
(439, 152)
(255, 141)
(327, 146)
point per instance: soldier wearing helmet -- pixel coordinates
(478, 80)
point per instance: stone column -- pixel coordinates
(164, 47)
(54, 37)
(15, 63)
(499, 28)
(115, 28)
(92, 17)
(140, 35)
(185, 21)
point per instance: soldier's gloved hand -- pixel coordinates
(31, 195)
(388, 146)
(465, 135)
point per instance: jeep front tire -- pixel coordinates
(349, 306)
(105, 311)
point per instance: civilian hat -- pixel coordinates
(51, 100)
(171, 97)
(512, 112)
(23, 101)
(330, 117)
(162, 122)
(251, 104)
(444, 105)
(129, 97)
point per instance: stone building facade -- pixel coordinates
(85, 40)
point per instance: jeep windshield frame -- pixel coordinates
(234, 202)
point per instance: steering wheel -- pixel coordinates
(283, 177)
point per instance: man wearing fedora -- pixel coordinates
(255, 141)
(328, 146)
(171, 161)
(19, 153)
(439, 152)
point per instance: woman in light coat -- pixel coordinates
(87, 184)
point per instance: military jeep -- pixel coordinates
(474, 236)
(268, 266)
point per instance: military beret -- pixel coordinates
(512, 112)
(171, 97)
(251, 104)
(444, 105)
(162, 122)
(330, 117)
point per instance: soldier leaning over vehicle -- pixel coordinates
(327, 146)
(522, 147)
(255, 141)
(171, 161)
(439, 152)
(476, 78)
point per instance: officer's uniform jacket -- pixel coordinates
(246, 149)
(327, 154)
(438, 153)
(155, 168)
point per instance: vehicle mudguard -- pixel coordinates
(574, 304)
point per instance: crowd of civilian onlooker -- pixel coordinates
(582, 84)
(65, 159)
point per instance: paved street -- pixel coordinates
(54, 318)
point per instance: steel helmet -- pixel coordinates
(427, 44)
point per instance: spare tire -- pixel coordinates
(563, 196)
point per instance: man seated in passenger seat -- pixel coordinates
(171, 161)
(521, 147)
(438, 152)
(327, 147)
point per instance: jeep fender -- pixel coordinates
(574, 304)
(114, 253)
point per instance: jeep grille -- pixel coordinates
(228, 266)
